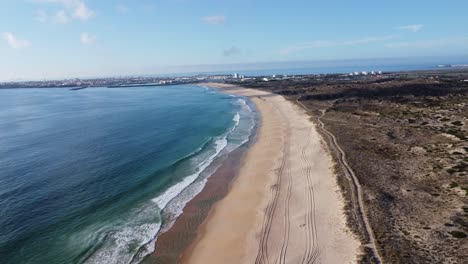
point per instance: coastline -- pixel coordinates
(284, 204)
(175, 240)
(171, 244)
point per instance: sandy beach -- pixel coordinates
(284, 206)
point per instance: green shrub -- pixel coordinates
(451, 171)
(457, 234)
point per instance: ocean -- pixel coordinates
(94, 175)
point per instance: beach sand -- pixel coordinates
(284, 205)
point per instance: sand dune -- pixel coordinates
(285, 205)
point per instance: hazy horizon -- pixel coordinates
(188, 70)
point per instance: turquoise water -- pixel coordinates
(92, 176)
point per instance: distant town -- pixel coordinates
(118, 82)
(121, 82)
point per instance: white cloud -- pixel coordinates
(328, 44)
(42, 16)
(369, 40)
(431, 43)
(87, 39)
(311, 45)
(76, 9)
(61, 17)
(413, 28)
(215, 20)
(231, 51)
(122, 9)
(81, 12)
(15, 42)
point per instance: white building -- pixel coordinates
(236, 76)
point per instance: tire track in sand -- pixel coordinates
(286, 225)
(262, 254)
(311, 251)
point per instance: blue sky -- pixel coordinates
(79, 38)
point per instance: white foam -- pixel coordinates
(236, 119)
(115, 248)
(173, 191)
(175, 207)
(244, 104)
(241, 101)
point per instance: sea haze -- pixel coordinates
(93, 175)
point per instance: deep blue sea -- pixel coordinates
(92, 176)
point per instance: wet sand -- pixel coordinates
(172, 243)
(284, 205)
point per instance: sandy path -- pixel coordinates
(285, 205)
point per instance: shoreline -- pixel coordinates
(173, 242)
(285, 203)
